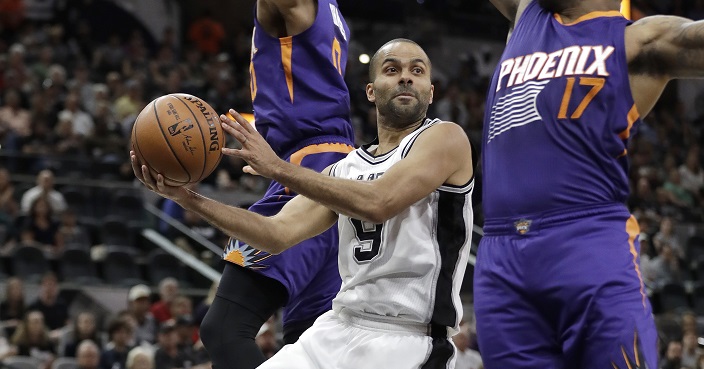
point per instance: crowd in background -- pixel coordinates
(67, 94)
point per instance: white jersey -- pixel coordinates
(409, 269)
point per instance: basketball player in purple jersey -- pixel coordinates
(301, 107)
(557, 281)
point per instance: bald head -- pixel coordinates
(378, 58)
(88, 354)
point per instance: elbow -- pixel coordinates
(376, 217)
(378, 212)
(276, 246)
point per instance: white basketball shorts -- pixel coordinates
(335, 342)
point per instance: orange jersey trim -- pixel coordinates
(588, 16)
(286, 55)
(633, 231)
(297, 157)
(626, 8)
(633, 116)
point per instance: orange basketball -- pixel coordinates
(180, 137)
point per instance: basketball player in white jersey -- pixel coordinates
(403, 206)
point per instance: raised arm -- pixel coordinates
(281, 18)
(300, 218)
(659, 49)
(667, 46)
(441, 154)
(511, 9)
(508, 8)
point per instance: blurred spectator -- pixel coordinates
(646, 262)
(691, 173)
(65, 140)
(114, 355)
(82, 122)
(643, 198)
(40, 228)
(665, 268)
(689, 322)
(44, 187)
(451, 107)
(88, 355)
(673, 356)
(138, 307)
(40, 68)
(700, 362)
(40, 11)
(181, 306)
(32, 338)
(266, 339)
(667, 235)
(15, 121)
(12, 308)
(140, 358)
(84, 329)
(11, 14)
(207, 34)
(466, 357)
(84, 88)
(108, 57)
(690, 350)
(8, 206)
(129, 105)
(677, 194)
(70, 232)
(168, 355)
(185, 330)
(168, 289)
(53, 307)
(175, 211)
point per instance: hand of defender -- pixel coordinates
(255, 150)
(157, 185)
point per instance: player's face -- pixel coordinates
(402, 89)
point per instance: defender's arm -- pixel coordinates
(511, 9)
(297, 15)
(508, 8)
(667, 46)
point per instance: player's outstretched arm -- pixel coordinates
(511, 9)
(441, 154)
(300, 218)
(297, 15)
(667, 46)
(507, 7)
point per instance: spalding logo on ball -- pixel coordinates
(180, 137)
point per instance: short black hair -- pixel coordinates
(118, 324)
(375, 59)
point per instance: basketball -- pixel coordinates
(178, 136)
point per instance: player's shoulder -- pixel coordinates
(440, 136)
(445, 129)
(650, 33)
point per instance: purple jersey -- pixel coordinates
(559, 115)
(297, 84)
